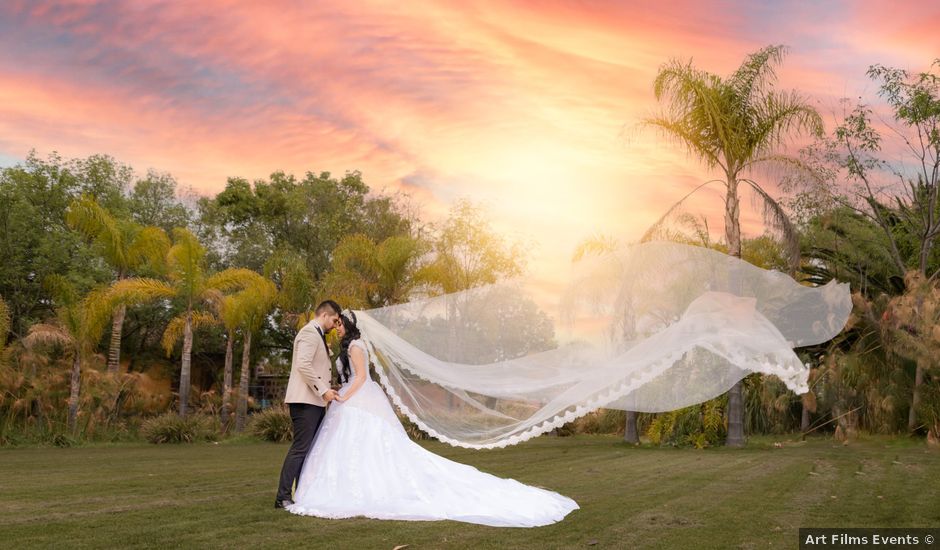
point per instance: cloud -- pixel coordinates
(530, 106)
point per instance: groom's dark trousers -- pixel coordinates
(306, 419)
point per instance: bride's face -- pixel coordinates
(340, 329)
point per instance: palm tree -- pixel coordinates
(78, 326)
(735, 124)
(232, 311)
(125, 246)
(188, 283)
(226, 313)
(370, 274)
(253, 305)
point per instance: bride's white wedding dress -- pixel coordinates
(362, 463)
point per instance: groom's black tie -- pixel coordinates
(323, 335)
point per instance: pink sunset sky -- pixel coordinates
(530, 107)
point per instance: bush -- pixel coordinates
(272, 424)
(170, 428)
(699, 425)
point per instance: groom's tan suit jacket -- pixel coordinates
(309, 369)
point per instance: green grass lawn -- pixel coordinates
(221, 495)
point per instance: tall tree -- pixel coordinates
(309, 216)
(35, 241)
(125, 246)
(735, 125)
(78, 325)
(240, 311)
(190, 285)
(467, 253)
(898, 194)
(253, 305)
(153, 202)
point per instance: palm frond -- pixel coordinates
(254, 303)
(47, 334)
(683, 134)
(227, 310)
(235, 278)
(649, 233)
(756, 71)
(173, 333)
(149, 246)
(176, 327)
(697, 107)
(136, 290)
(802, 169)
(185, 261)
(88, 217)
(97, 308)
(779, 114)
(594, 246)
(775, 216)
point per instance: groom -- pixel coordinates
(308, 392)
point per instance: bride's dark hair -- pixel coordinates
(352, 333)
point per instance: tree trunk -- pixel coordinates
(736, 415)
(733, 218)
(918, 380)
(808, 403)
(629, 432)
(185, 368)
(227, 382)
(241, 414)
(75, 386)
(733, 236)
(804, 419)
(114, 351)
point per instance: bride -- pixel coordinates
(362, 463)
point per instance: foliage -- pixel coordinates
(735, 124)
(124, 245)
(35, 241)
(366, 274)
(272, 424)
(153, 203)
(898, 194)
(310, 216)
(191, 286)
(172, 428)
(913, 321)
(699, 425)
(468, 253)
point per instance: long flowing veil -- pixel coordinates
(651, 327)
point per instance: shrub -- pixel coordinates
(170, 428)
(272, 424)
(699, 425)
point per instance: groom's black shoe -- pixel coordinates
(283, 503)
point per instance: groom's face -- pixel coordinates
(331, 322)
